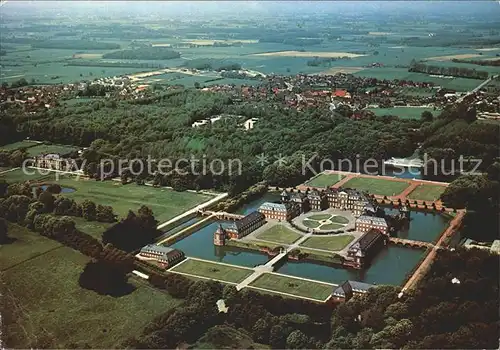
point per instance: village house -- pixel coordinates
(349, 289)
(365, 248)
(166, 257)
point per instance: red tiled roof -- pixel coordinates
(340, 93)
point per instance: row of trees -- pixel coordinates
(462, 72)
(493, 63)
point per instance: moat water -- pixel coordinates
(390, 266)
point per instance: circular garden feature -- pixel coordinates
(325, 222)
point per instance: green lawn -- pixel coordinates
(279, 234)
(427, 192)
(332, 243)
(310, 223)
(319, 217)
(51, 310)
(165, 203)
(329, 227)
(292, 285)
(325, 180)
(93, 228)
(380, 187)
(18, 175)
(403, 112)
(339, 219)
(213, 270)
(44, 149)
(18, 145)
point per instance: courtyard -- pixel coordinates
(330, 243)
(330, 219)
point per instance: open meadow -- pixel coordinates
(165, 203)
(324, 180)
(427, 192)
(51, 310)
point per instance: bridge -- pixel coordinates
(222, 215)
(410, 243)
(405, 163)
(269, 266)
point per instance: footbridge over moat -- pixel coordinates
(222, 215)
(269, 266)
(410, 243)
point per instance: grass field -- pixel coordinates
(279, 234)
(332, 243)
(51, 310)
(310, 223)
(18, 175)
(290, 285)
(329, 227)
(24, 245)
(319, 217)
(381, 187)
(403, 112)
(44, 149)
(339, 219)
(216, 271)
(427, 192)
(325, 180)
(18, 145)
(165, 203)
(93, 228)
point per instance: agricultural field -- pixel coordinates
(427, 192)
(403, 112)
(295, 286)
(279, 234)
(381, 187)
(332, 243)
(324, 180)
(226, 273)
(50, 308)
(18, 145)
(165, 203)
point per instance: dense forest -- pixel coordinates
(148, 53)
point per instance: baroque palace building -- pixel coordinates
(165, 256)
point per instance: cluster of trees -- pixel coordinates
(211, 64)
(456, 133)
(134, 231)
(74, 44)
(19, 83)
(253, 192)
(107, 277)
(238, 75)
(13, 158)
(95, 90)
(149, 53)
(462, 72)
(494, 63)
(322, 61)
(290, 39)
